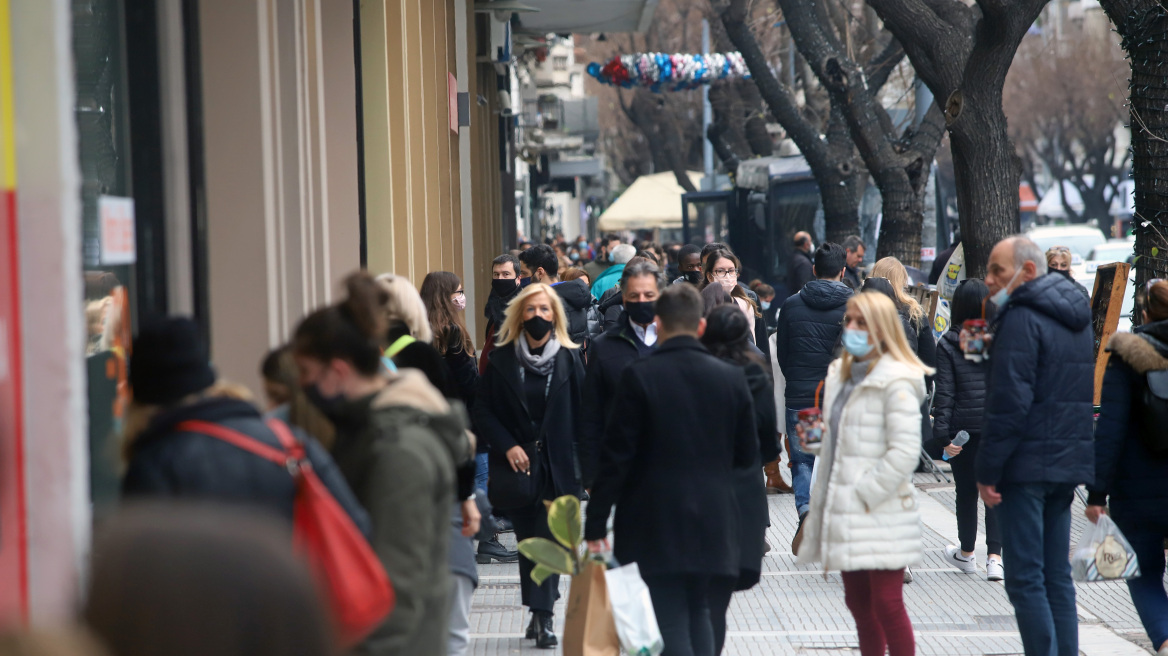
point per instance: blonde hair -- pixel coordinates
(513, 323)
(887, 332)
(405, 305)
(894, 271)
(1058, 252)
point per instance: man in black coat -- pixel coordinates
(632, 337)
(1037, 442)
(800, 270)
(681, 416)
(504, 288)
(810, 324)
(541, 265)
(855, 248)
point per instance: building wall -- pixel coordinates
(281, 168)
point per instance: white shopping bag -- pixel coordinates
(1104, 554)
(632, 609)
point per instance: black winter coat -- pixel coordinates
(461, 369)
(682, 424)
(577, 300)
(810, 324)
(502, 419)
(959, 404)
(611, 307)
(748, 489)
(610, 355)
(1039, 412)
(1124, 469)
(800, 271)
(170, 463)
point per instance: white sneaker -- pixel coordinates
(954, 558)
(994, 570)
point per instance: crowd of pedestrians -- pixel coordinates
(655, 384)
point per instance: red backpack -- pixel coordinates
(340, 557)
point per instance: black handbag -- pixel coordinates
(508, 489)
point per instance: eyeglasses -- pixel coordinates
(459, 293)
(725, 273)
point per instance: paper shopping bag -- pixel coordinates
(589, 629)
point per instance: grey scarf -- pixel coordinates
(542, 364)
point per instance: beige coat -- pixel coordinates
(864, 513)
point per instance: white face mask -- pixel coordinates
(729, 284)
(460, 302)
(1003, 294)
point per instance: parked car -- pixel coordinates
(1115, 250)
(1081, 239)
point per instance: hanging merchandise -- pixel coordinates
(677, 72)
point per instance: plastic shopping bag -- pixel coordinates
(632, 608)
(1104, 554)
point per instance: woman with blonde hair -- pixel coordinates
(864, 518)
(1059, 260)
(527, 411)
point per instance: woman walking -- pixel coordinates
(727, 336)
(528, 411)
(723, 268)
(958, 406)
(864, 518)
(445, 301)
(1130, 450)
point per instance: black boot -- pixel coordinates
(545, 637)
(531, 628)
(492, 550)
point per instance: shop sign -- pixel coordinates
(117, 230)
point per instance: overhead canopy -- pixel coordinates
(589, 16)
(652, 201)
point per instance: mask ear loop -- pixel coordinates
(818, 389)
(983, 302)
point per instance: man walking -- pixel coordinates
(504, 287)
(855, 248)
(632, 337)
(1037, 443)
(671, 483)
(809, 327)
(603, 257)
(541, 265)
(689, 265)
(800, 270)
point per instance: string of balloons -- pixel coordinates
(676, 72)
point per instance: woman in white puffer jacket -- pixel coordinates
(864, 519)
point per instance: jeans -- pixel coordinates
(1035, 520)
(801, 464)
(684, 613)
(1147, 591)
(876, 599)
(965, 482)
(481, 472)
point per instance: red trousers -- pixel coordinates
(875, 598)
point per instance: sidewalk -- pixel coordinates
(794, 610)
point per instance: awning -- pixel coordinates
(652, 201)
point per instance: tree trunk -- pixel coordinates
(841, 205)
(903, 211)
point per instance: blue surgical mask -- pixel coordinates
(766, 305)
(611, 257)
(1003, 294)
(856, 343)
(574, 257)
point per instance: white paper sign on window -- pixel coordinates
(117, 230)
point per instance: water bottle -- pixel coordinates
(960, 440)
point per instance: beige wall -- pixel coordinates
(281, 166)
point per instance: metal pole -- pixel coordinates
(707, 147)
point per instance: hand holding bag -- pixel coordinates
(510, 489)
(632, 611)
(1104, 554)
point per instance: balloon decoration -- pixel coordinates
(678, 72)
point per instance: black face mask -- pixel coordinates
(693, 277)
(330, 406)
(504, 286)
(1065, 274)
(537, 327)
(641, 313)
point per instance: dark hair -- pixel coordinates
(802, 241)
(727, 335)
(99, 284)
(450, 331)
(352, 330)
(830, 259)
(541, 256)
(611, 237)
(883, 286)
(764, 290)
(1157, 301)
(680, 309)
(279, 367)
(641, 267)
(966, 303)
(714, 246)
(507, 258)
(714, 296)
(853, 243)
(708, 271)
(271, 368)
(688, 249)
(428, 360)
(191, 580)
(575, 273)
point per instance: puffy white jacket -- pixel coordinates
(864, 512)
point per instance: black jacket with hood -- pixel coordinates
(577, 300)
(959, 404)
(1039, 412)
(810, 324)
(1124, 468)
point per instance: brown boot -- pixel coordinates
(774, 480)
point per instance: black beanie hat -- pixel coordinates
(169, 361)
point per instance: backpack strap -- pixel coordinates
(288, 459)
